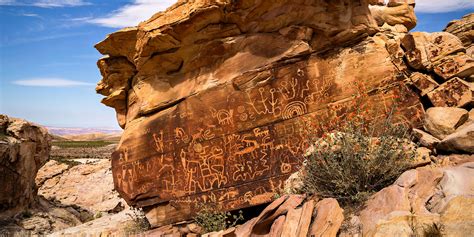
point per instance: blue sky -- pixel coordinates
(48, 64)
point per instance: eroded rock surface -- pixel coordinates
(421, 199)
(24, 148)
(215, 96)
(89, 186)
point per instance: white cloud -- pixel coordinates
(438, 6)
(132, 14)
(51, 82)
(29, 14)
(44, 3)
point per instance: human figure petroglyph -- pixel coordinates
(289, 89)
(159, 144)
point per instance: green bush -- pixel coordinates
(140, 223)
(211, 219)
(360, 158)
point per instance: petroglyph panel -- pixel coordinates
(231, 138)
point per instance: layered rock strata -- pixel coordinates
(215, 96)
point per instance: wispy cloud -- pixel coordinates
(51, 82)
(20, 41)
(439, 6)
(45, 3)
(30, 15)
(132, 14)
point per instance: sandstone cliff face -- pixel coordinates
(214, 96)
(24, 148)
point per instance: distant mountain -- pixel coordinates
(81, 131)
(85, 134)
(94, 137)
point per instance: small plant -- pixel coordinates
(211, 219)
(433, 230)
(98, 215)
(362, 157)
(140, 223)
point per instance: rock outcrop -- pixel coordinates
(88, 186)
(422, 199)
(24, 148)
(215, 96)
(463, 29)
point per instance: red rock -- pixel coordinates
(218, 108)
(460, 65)
(290, 227)
(424, 49)
(328, 218)
(305, 220)
(453, 93)
(423, 82)
(277, 227)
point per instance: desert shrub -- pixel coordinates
(211, 219)
(69, 162)
(140, 223)
(360, 158)
(434, 230)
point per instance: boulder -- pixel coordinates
(221, 94)
(459, 65)
(425, 139)
(79, 186)
(453, 93)
(395, 14)
(423, 82)
(463, 30)
(24, 148)
(328, 217)
(462, 140)
(425, 49)
(442, 121)
(423, 199)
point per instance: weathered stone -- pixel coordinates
(277, 226)
(425, 139)
(442, 121)
(223, 92)
(460, 65)
(305, 219)
(453, 93)
(424, 49)
(68, 188)
(328, 217)
(422, 157)
(376, 218)
(460, 141)
(423, 82)
(395, 14)
(24, 148)
(290, 227)
(51, 169)
(463, 30)
(120, 224)
(421, 199)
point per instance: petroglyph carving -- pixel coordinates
(294, 109)
(224, 117)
